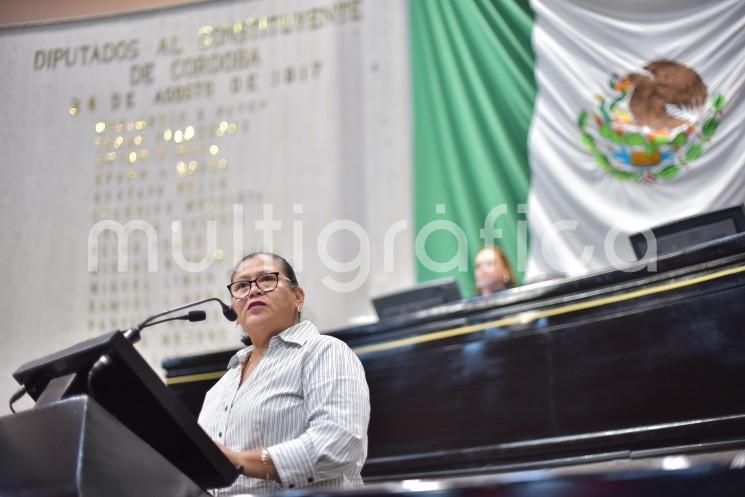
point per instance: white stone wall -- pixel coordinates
(191, 119)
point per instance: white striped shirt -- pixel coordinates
(306, 402)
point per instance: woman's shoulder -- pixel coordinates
(325, 341)
(321, 343)
(329, 357)
(308, 333)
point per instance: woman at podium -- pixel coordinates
(293, 407)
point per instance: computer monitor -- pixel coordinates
(134, 394)
(690, 231)
(418, 298)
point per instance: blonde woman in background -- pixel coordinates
(493, 271)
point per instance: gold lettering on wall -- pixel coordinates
(254, 28)
(86, 55)
(209, 65)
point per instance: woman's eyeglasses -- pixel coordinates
(266, 283)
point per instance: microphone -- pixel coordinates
(228, 312)
(196, 316)
(133, 334)
(190, 316)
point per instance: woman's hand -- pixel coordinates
(250, 462)
(232, 456)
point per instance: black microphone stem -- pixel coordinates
(105, 359)
(133, 334)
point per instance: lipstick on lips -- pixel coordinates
(255, 304)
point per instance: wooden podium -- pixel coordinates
(75, 447)
(104, 425)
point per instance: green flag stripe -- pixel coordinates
(473, 93)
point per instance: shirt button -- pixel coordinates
(219, 434)
(291, 485)
(310, 480)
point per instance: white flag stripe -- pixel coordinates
(578, 48)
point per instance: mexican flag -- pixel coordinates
(558, 128)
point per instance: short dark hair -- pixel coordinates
(286, 267)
